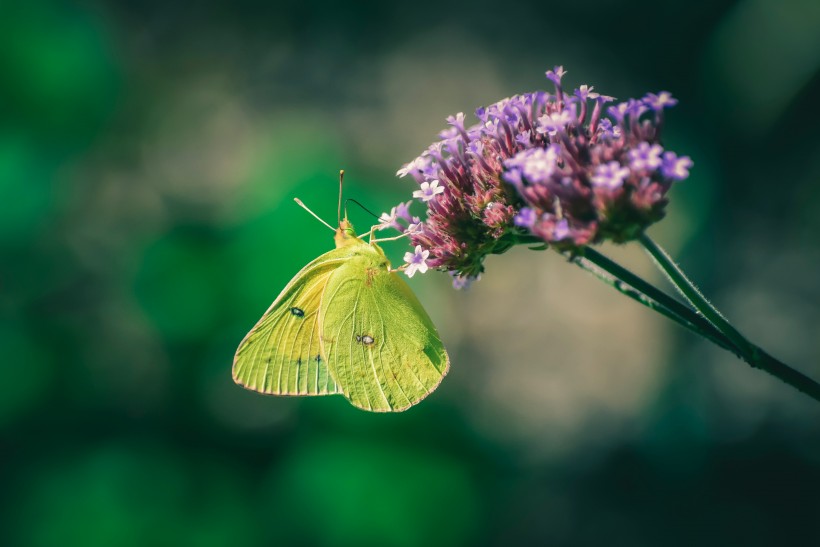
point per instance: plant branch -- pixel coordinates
(705, 321)
(688, 289)
(652, 297)
(752, 354)
(642, 291)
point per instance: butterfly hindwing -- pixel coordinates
(282, 355)
(382, 348)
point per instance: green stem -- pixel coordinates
(784, 372)
(647, 294)
(643, 292)
(695, 297)
(654, 298)
(750, 353)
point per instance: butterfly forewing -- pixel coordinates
(382, 347)
(282, 355)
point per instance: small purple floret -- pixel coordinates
(676, 168)
(415, 226)
(557, 121)
(606, 130)
(428, 190)
(536, 164)
(561, 230)
(658, 102)
(463, 282)
(618, 111)
(402, 210)
(645, 157)
(610, 175)
(457, 121)
(635, 108)
(525, 218)
(524, 139)
(388, 220)
(416, 261)
(585, 92)
(556, 74)
(417, 164)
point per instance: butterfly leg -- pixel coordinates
(405, 234)
(371, 232)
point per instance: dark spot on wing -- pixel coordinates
(318, 358)
(365, 339)
(298, 312)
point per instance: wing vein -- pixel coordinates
(381, 362)
(384, 344)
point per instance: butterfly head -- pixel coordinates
(345, 234)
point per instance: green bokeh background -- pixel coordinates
(149, 154)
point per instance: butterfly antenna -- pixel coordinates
(339, 210)
(303, 206)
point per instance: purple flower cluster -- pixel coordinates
(570, 169)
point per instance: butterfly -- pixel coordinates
(345, 324)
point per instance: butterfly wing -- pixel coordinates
(382, 348)
(281, 355)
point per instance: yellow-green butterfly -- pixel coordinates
(346, 324)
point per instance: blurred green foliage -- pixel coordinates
(149, 154)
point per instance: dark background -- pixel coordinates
(149, 154)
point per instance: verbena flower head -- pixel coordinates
(569, 168)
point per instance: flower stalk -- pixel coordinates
(749, 352)
(658, 300)
(643, 292)
(689, 291)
